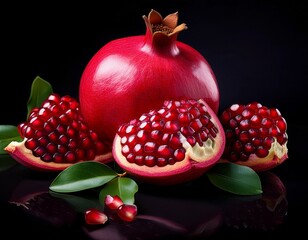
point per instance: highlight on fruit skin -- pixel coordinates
(173, 144)
(55, 136)
(256, 136)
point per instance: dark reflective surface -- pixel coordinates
(196, 210)
(258, 51)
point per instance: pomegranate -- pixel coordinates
(255, 136)
(130, 75)
(173, 144)
(55, 136)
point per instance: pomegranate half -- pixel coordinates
(173, 144)
(130, 75)
(55, 136)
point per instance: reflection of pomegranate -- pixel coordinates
(255, 136)
(56, 136)
(47, 209)
(132, 75)
(143, 227)
(173, 144)
(266, 213)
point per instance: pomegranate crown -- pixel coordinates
(167, 26)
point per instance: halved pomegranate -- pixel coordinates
(56, 136)
(255, 136)
(173, 144)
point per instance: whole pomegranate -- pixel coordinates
(55, 136)
(130, 75)
(255, 136)
(175, 143)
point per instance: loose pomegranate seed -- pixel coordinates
(127, 212)
(94, 217)
(156, 138)
(113, 202)
(251, 129)
(56, 131)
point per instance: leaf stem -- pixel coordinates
(122, 174)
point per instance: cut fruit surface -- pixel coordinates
(173, 144)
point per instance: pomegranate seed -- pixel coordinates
(113, 202)
(127, 212)
(31, 143)
(94, 217)
(161, 162)
(261, 152)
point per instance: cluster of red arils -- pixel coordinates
(126, 212)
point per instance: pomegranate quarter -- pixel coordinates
(56, 136)
(255, 136)
(173, 144)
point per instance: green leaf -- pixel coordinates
(40, 90)
(81, 176)
(234, 178)
(8, 133)
(124, 187)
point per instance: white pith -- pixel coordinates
(198, 153)
(278, 150)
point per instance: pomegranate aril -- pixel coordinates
(94, 217)
(274, 113)
(149, 161)
(261, 152)
(179, 154)
(161, 162)
(47, 157)
(58, 157)
(31, 144)
(281, 124)
(149, 147)
(113, 202)
(39, 151)
(36, 123)
(255, 120)
(248, 148)
(139, 160)
(244, 136)
(266, 122)
(247, 113)
(263, 111)
(164, 151)
(127, 212)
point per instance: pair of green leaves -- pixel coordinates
(87, 175)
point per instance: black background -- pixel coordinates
(257, 49)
